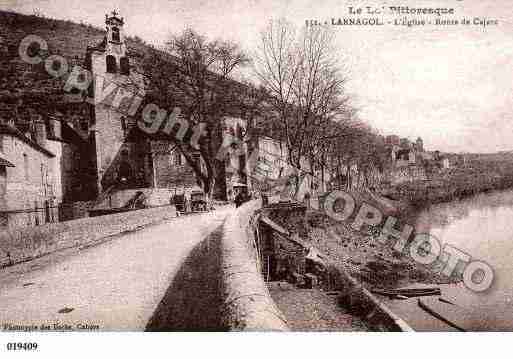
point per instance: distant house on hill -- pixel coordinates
(407, 160)
(410, 161)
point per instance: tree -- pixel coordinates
(357, 144)
(195, 74)
(306, 86)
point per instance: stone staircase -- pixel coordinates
(127, 198)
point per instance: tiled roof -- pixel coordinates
(13, 131)
(4, 162)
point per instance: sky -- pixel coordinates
(452, 85)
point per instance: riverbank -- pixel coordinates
(314, 290)
(374, 263)
(313, 309)
(454, 184)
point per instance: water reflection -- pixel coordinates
(481, 226)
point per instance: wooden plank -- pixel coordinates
(274, 225)
(409, 293)
(479, 319)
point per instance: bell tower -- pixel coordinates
(115, 87)
(115, 45)
(115, 34)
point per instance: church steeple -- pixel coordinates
(115, 34)
(115, 47)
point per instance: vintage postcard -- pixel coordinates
(306, 166)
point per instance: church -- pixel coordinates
(109, 159)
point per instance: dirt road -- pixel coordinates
(116, 285)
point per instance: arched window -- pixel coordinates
(111, 64)
(124, 66)
(178, 158)
(115, 34)
(123, 124)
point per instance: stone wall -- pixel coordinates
(332, 277)
(78, 173)
(28, 194)
(153, 197)
(247, 304)
(407, 174)
(219, 287)
(281, 258)
(111, 123)
(364, 304)
(173, 172)
(29, 243)
(289, 215)
(74, 210)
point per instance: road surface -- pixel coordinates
(115, 285)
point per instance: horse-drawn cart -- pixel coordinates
(180, 202)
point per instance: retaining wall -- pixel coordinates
(354, 296)
(23, 244)
(247, 304)
(363, 303)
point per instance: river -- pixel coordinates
(481, 226)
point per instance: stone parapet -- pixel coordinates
(247, 304)
(27, 243)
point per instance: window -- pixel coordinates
(115, 34)
(84, 124)
(47, 212)
(36, 213)
(178, 158)
(196, 157)
(123, 124)
(25, 166)
(111, 64)
(124, 66)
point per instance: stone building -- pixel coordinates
(408, 162)
(411, 162)
(392, 140)
(117, 159)
(419, 145)
(99, 157)
(28, 187)
(273, 167)
(120, 159)
(272, 156)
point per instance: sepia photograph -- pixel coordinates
(255, 166)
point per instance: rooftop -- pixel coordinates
(14, 132)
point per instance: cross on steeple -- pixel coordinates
(113, 16)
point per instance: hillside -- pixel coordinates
(23, 85)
